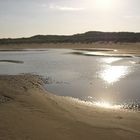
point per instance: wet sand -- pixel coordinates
(11, 61)
(121, 48)
(28, 112)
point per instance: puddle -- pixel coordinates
(111, 79)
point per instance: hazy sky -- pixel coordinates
(23, 18)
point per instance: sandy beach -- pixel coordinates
(69, 70)
(28, 112)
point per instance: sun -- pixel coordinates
(104, 4)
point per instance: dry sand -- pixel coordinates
(28, 112)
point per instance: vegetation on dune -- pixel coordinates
(88, 37)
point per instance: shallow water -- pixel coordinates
(105, 80)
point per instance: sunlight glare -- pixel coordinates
(112, 74)
(111, 60)
(104, 104)
(104, 4)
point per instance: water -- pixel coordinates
(101, 79)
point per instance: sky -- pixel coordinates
(25, 18)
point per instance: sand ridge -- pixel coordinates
(31, 113)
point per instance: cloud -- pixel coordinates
(65, 8)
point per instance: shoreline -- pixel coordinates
(27, 111)
(130, 49)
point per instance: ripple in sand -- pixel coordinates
(11, 61)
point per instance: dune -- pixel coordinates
(29, 112)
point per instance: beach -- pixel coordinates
(70, 70)
(121, 48)
(28, 112)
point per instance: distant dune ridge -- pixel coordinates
(88, 37)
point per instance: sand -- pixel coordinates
(129, 48)
(28, 112)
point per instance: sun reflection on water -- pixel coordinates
(113, 74)
(111, 60)
(104, 104)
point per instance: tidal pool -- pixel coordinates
(106, 81)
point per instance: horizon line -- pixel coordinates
(69, 34)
